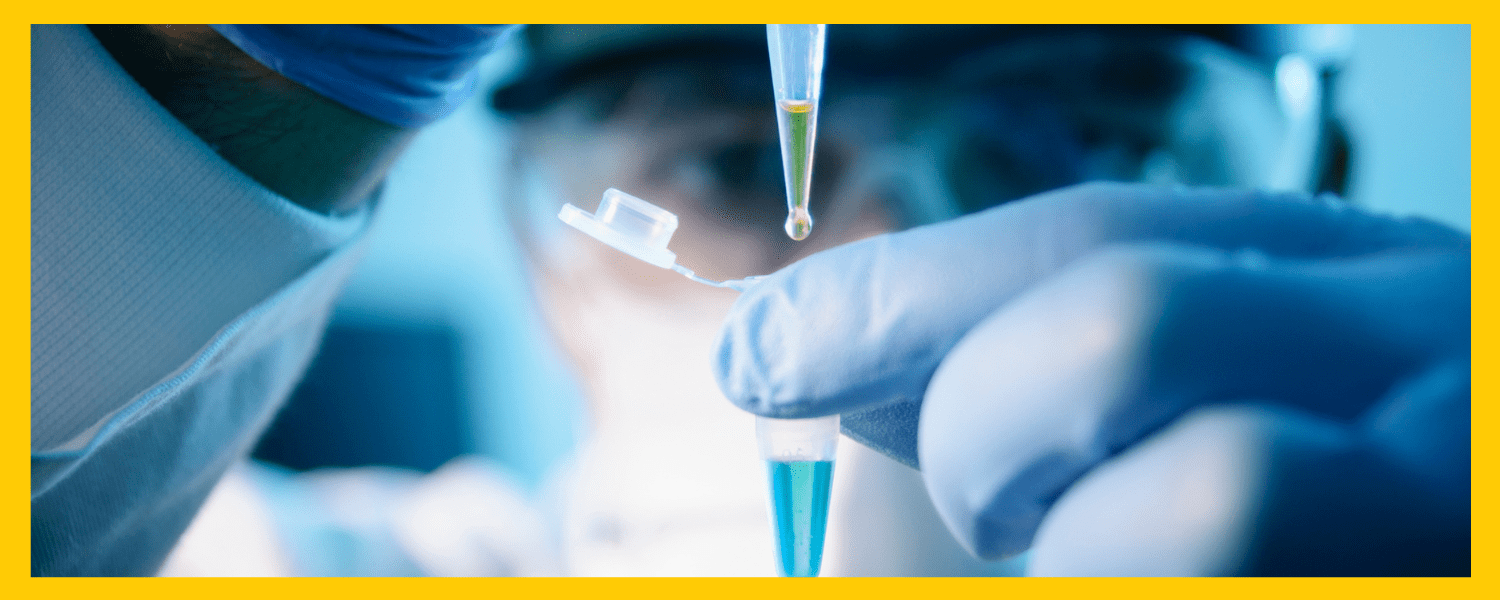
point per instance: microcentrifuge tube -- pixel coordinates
(799, 460)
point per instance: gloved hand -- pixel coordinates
(1162, 380)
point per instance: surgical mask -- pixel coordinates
(175, 303)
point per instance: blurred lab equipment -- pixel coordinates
(1315, 155)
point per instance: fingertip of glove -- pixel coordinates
(739, 365)
(760, 353)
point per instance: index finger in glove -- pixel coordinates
(866, 324)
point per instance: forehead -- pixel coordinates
(729, 64)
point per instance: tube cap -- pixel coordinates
(628, 224)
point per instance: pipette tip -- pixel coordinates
(799, 225)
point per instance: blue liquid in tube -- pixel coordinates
(799, 514)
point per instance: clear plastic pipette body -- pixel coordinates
(797, 78)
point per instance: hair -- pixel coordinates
(310, 149)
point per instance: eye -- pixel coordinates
(1011, 143)
(747, 183)
(747, 167)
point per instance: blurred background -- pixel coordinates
(497, 395)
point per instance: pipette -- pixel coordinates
(797, 77)
(798, 452)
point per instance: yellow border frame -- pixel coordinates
(15, 324)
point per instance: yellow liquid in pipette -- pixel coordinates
(798, 126)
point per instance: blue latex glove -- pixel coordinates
(1075, 348)
(405, 75)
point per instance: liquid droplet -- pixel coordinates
(799, 225)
